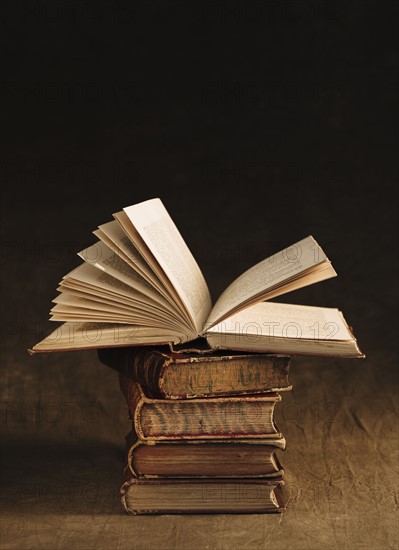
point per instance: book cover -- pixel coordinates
(191, 375)
(223, 458)
(247, 416)
(209, 496)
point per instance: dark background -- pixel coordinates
(257, 123)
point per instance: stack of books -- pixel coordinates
(203, 436)
(203, 432)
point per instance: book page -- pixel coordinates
(320, 273)
(70, 336)
(268, 327)
(89, 309)
(86, 275)
(135, 237)
(114, 237)
(106, 294)
(71, 297)
(163, 239)
(286, 321)
(105, 259)
(285, 267)
(87, 278)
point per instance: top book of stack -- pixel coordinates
(140, 285)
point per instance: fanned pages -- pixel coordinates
(139, 285)
(289, 269)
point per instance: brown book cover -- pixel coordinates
(247, 416)
(202, 496)
(225, 458)
(189, 375)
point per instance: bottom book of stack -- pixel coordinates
(215, 455)
(202, 496)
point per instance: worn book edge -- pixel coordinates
(277, 496)
(278, 443)
(137, 396)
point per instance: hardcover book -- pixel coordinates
(140, 285)
(195, 496)
(247, 416)
(185, 376)
(198, 458)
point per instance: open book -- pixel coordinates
(140, 285)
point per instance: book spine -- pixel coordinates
(128, 480)
(135, 400)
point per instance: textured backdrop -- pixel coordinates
(257, 123)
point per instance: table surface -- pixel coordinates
(63, 458)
